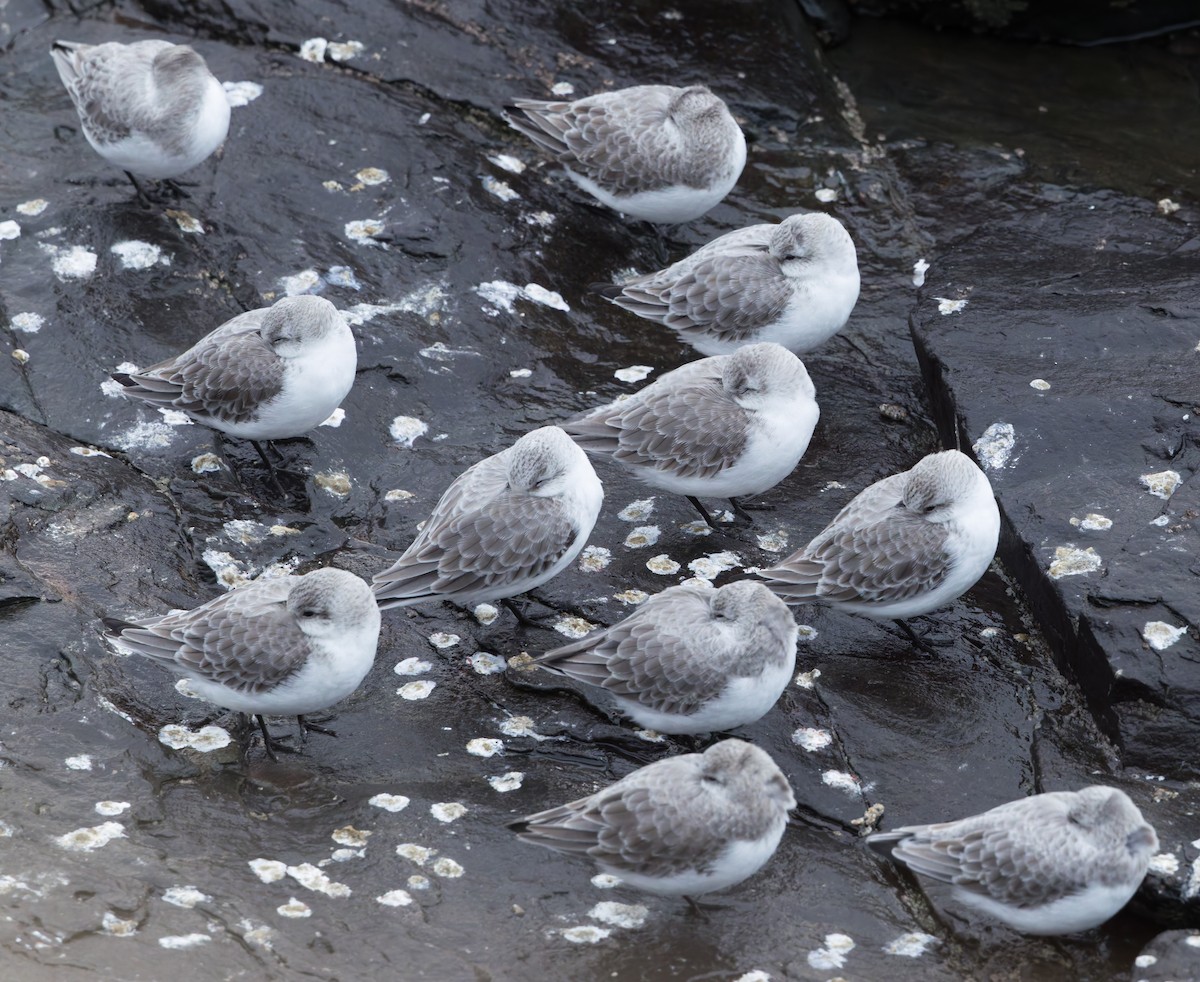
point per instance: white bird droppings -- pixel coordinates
(345, 50)
(585, 934)
(1161, 484)
(351, 837)
(911, 945)
(634, 373)
(417, 854)
(947, 306)
(485, 747)
(642, 536)
(1161, 635)
(547, 298)
(294, 908)
(33, 207)
(1092, 522)
(311, 878)
(448, 811)
(636, 511)
(498, 188)
(405, 429)
(811, 739)
(842, 781)
(206, 463)
(631, 598)
(81, 762)
(440, 639)
(28, 322)
(573, 627)
(110, 809)
(1069, 561)
(1165, 863)
(995, 446)
(91, 838)
(605, 881)
(1040, 384)
(364, 231)
(314, 50)
(714, 564)
(447, 868)
(395, 898)
(9, 230)
(485, 663)
(833, 955)
(594, 558)
(239, 94)
(562, 89)
(135, 254)
(619, 915)
(373, 175)
(187, 896)
(506, 162)
(485, 613)
(919, 269)
(516, 726)
(398, 494)
(183, 940)
(71, 262)
(115, 926)
(389, 802)
(206, 739)
(772, 541)
(663, 565)
(826, 195)
(412, 666)
(268, 870)
(509, 781)
(412, 691)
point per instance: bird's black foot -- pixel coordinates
(518, 611)
(271, 745)
(306, 727)
(709, 520)
(926, 641)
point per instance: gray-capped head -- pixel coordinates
(293, 324)
(751, 606)
(178, 65)
(939, 483)
(1111, 816)
(542, 460)
(746, 773)
(801, 241)
(330, 602)
(759, 373)
(696, 106)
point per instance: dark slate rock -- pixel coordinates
(1094, 296)
(1173, 956)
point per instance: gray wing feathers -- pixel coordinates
(624, 144)
(467, 546)
(663, 656)
(999, 855)
(690, 429)
(248, 643)
(881, 562)
(729, 297)
(111, 86)
(646, 825)
(227, 375)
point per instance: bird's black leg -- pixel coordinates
(702, 510)
(518, 611)
(269, 744)
(270, 467)
(740, 512)
(306, 727)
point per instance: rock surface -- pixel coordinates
(384, 178)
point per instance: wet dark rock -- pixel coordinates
(986, 719)
(1074, 352)
(1173, 956)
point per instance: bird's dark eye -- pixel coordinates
(308, 613)
(789, 257)
(711, 779)
(929, 508)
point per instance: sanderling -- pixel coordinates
(682, 826)
(1052, 863)
(150, 108)
(691, 659)
(267, 374)
(284, 646)
(794, 283)
(505, 526)
(726, 426)
(654, 152)
(906, 545)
